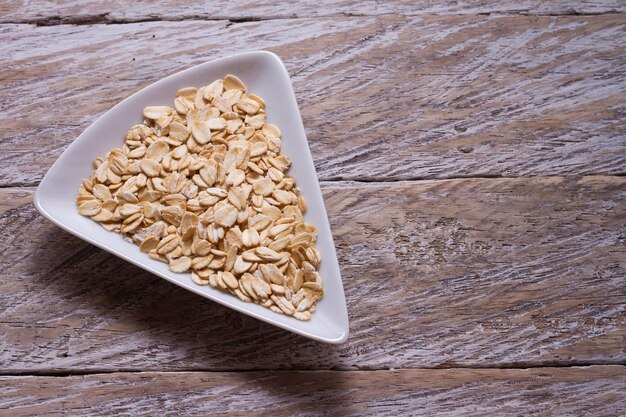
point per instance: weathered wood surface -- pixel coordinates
(480, 273)
(382, 97)
(588, 391)
(446, 273)
(122, 11)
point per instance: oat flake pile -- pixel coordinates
(202, 187)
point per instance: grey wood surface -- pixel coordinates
(383, 98)
(49, 12)
(468, 272)
(473, 160)
(595, 390)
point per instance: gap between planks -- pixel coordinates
(373, 182)
(82, 372)
(104, 19)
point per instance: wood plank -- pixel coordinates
(382, 97)
(589, 391)
(448, 273)
(79, 11)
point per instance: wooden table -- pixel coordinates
(473, 163)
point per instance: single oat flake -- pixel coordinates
(203, 187)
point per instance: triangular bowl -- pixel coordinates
(265, 75)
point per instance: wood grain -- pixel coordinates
(481, 277)
(500, 272)
(383, 98)
(120, 11)
(588, 391)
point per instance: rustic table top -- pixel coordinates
(473, 163)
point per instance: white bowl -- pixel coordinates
(265, 75)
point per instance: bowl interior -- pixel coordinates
(265, 75)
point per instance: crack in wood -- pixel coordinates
(513, 366)
(341, 182)
(106, 19)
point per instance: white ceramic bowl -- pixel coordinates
(265, 75)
